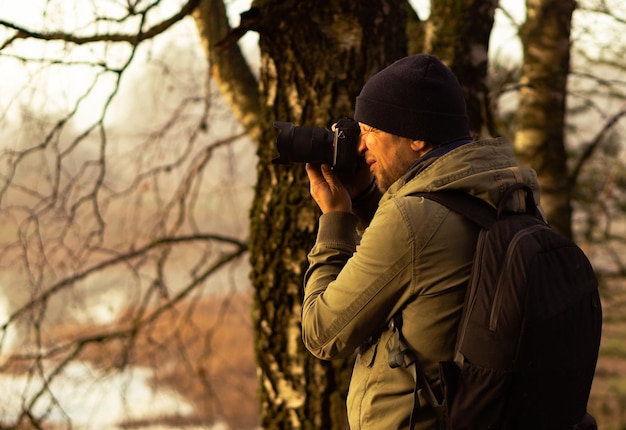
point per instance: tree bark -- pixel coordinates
(229, 69)
(540, 120)
(315, 57)
(458, 33)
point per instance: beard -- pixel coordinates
(385, 177)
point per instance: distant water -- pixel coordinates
(90, 398)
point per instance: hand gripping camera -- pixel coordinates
(319, 145)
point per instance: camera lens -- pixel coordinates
(303, 144)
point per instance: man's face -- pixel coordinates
(387, 156)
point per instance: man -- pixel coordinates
(414, 255)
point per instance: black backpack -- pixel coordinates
(529, 336)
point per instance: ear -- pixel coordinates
(418, 145)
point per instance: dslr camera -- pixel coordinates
(319, 145)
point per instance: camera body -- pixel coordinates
(319, 145)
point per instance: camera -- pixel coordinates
(319, 145)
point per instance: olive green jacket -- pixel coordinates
(415, 257)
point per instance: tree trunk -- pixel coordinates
(315, 57)
(229, 68)
(459, 34)
(539, 138)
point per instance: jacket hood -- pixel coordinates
(483, 168)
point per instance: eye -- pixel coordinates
(367, 129)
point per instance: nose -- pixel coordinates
(362, 146)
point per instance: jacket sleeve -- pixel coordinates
(350, 296)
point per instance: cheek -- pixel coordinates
(375, 146)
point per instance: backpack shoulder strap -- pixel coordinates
(477, 210)
(480, 213)
(473, 208)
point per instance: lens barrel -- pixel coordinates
(303, 144)
(318, 145)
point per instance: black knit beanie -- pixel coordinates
(416, 97)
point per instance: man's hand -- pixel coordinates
(359, 181)
(327, 190)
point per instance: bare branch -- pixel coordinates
(121, 259)
(593, 146)
(133, 39)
